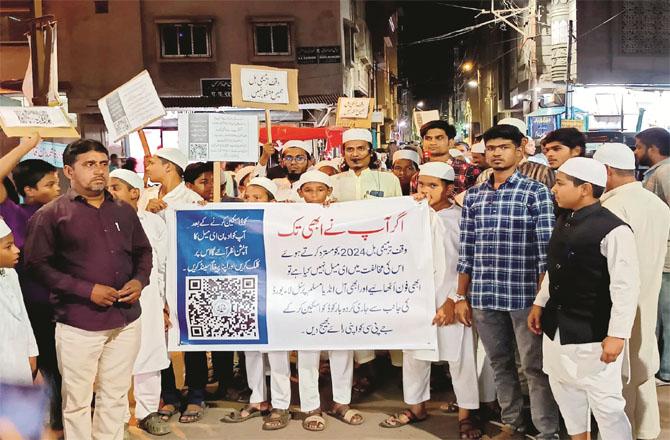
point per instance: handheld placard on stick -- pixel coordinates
(217, 181)
(147, 152)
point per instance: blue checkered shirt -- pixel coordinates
(504, 239)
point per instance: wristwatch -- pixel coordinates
(459, 298)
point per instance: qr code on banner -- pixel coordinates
(197, 151)
(222, 307)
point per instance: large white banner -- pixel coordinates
(275, 276)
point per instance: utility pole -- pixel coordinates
(532, 30)
(568, 80)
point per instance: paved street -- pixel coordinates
(386, 401)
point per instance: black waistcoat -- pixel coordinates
(580, 303)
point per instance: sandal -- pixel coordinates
(347, 415)
(395, 420)
(314, 421)
(192, 416)
(166, 414)
(277, 419)
(449, 408)
(237, 417)
(468, 429)
(154, 424)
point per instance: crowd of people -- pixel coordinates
(552, 284)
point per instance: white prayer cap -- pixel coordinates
(479, 147)
(297, 144)
(131, 178)
(588, 170)
(314, 176)
(408, 155)
(357, 134)
(4, 229)
(244, 172)
(518, 123)
(456, 153)
(174, 155)
(616, 155)
(440, 170)
(266, 183)
(326, 163)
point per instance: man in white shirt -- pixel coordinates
(361, 177)
(587, 303)
(152, 357)
(166, 167)
(649, 218)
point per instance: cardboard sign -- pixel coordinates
(132, 106)
(421, 118)
(48, 122)
(573, 123)
(354, 112)
(264, 87)
(219, 137)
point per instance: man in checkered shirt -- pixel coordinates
(506, 224)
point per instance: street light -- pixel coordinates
(467, 66)
(420, 104)
(473, 83)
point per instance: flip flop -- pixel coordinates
(346, 415)
(467, 429)
(237, 417)
(166, 414)
(154, 424)
(277, 419)
(395, 422)
(192, 416)
(314, 418)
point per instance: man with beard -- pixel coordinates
(361, 177)
(93, 254)
(652, 148)
(296, 158)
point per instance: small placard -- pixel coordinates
(354, 112)
(264, 87)
(218, 137)
(48, 122)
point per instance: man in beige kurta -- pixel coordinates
(649, 218)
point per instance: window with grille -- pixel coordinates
(272, 38)
(186, 40)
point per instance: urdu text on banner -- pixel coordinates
(274, 276)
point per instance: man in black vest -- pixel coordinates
(587, 303)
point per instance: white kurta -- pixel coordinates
(572, 362)
(649, 218)
(17, 341)
(153, 355)
(179, 195)
(446, 232)
(347, 186)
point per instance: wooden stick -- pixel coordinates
(268, 124)
(147, 152)
(217, 181)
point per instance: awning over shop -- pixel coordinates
(552, 111)
(305, 101)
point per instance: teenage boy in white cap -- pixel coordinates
(127, 186)
(18, 363)
(264, 190)
(315, 187)
(649, 218)
(405, 166)
(455, 341)
(361, 177)
(166, 167)
(586, 304)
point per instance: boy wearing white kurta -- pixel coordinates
(18, 363)
(455, 341)
(587, 303)
(316, 187)
(152, 357)
(263, 190)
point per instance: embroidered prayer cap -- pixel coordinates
(4, 229)
(297, 144)
(266, 183)
(131, 178)
(588, 170)
(357, 134)
(174, 155)
(408, 155)
(479, 147)
(518, 123)
(616, 155)
(440, 170)
(314, 176)
(244, 172)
